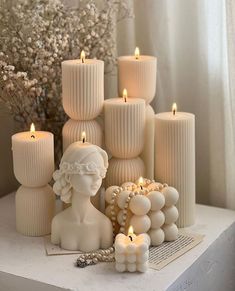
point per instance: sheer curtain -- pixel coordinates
(194, 41)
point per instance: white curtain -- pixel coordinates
(194, 41)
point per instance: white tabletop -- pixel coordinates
(25, 266)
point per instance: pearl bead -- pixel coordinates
(141, 224)
(157, 200)
(109, 209)
(157, 219)
(140, 205)
(128, 185)
(109, 192)
(171, 196)
(171, 214)
(153, 186)
(157, 236)
(95, 260)
(171, 231)
(121, 200)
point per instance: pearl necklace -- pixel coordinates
(92, 258)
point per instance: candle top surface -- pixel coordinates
(140, 58)
(78, 62)
(178, 115)
(28, 136)
(120, 101)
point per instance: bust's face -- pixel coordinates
(88, 184)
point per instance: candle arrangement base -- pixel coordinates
(149, 208)
(122, 170)
(35, 209)
(72, 132)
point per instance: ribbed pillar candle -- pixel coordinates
(33, 164)
(175, 159)
(124, 126)
(138, 75)
(35, 209)
(72, 132)
(83, 88)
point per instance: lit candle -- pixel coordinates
(175, 158)
(83, 136)
(124, 132)
(131, 252)
(83, 87)
(33, 164)
(124, 95)
(138, 73)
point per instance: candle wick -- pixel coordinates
(83, 140)
(125, 99)
(83, 60)
(141, 187)
(32, 136)
(130, 237)
(173, 111)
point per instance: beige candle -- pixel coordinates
(175, 159)
(83, 88)
(33, 157)
(137, 73)
(33, 160)
(124, 126)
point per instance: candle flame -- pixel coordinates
(174, 108)
(83, 56)
(137, 53)
(124, 94)
(83, 137)
(32, 130)
(130, 230)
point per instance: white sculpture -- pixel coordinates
(81, 226)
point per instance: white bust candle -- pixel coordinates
(137, 73)
(83, 88)
(81, 226)
(131, 252)
(175, 158)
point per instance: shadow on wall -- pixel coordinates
(8, 182)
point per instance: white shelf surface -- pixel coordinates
(25, 266)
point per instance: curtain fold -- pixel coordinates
(194, 42)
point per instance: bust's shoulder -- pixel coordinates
(63, 215)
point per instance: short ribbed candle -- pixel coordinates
(124, 126)
(83, 88)
(34, 210)
(33, 158)
(147, 154)
(121, 171)
(72, 131)
(138, 76)
(175, 159)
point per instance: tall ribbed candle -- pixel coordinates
(83, 88)
(124, 138)
(137, 73)
(124, 126)
(83, 98)
(33, 159)
(175, 159)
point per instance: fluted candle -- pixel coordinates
(33, 164)
(175, 159)
(124, 126)
(83, 88)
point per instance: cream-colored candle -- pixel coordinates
(124, 126)
(131, 252)
(137, 73)
(83, 88)
(73, 129)
(33, 163)
(175, 159)
(33, 157)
